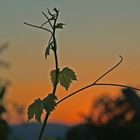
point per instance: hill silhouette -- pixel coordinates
(30, 131)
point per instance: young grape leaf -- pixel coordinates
(66, 76)
(59, 26)
(47, 51)
(49, 103)
(35, 109)
(55, 10)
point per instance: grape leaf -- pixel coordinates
(49, 103)
(65, 77)
(35, 109)
(59, 25)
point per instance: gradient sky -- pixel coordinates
(96, 32)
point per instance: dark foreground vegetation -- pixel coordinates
(4, 128)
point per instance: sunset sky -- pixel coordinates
(96, 32)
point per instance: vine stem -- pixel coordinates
(57, 72)
(109, 70)
(54, 91)
(36, 26)
(48, 19)
(43, 126)
(90, 85)
(99, 84)
(55, 55)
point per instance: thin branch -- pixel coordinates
(90, 85)
(55, 56)
(50, 13)
(43, 126)
(98, 84)
(81, 89)
(47, 19)
(57, 72)
(44, 23)
(110, 70)
(56, 19)
(54, 29)
(117, 85)
(53, 18)
(38, 27)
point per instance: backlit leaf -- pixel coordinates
(49, 103)
(66, 76)
(35, 109)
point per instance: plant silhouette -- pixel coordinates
(63, 76)
(4, 128)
